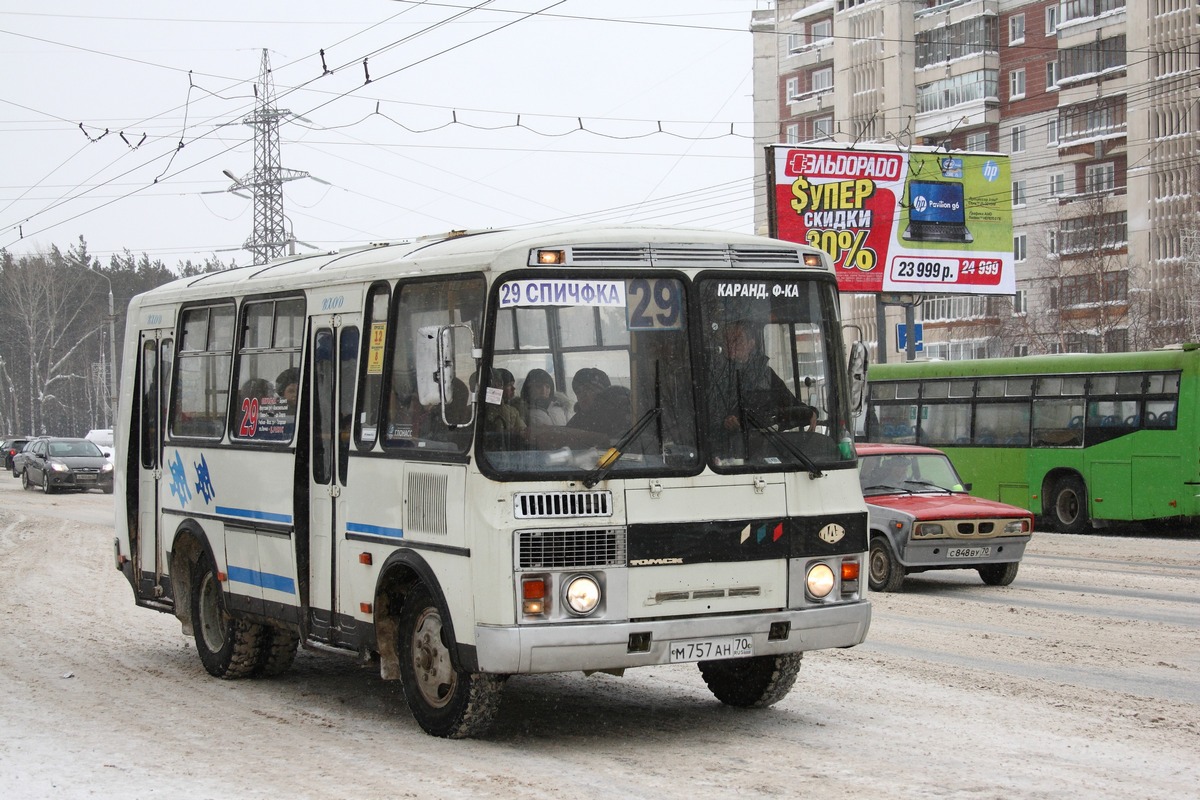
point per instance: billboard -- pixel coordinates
(898, 221)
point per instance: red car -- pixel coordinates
(922, 518)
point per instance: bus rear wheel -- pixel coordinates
(228, 647)
(755, 682)
(277, 651)
(445, 700)
(1068, 505)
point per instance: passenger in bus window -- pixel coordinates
(748, 384)
(503, 425)
(288, 385)
(540, 403)
(600, 407)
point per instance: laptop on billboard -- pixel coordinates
(936, 212)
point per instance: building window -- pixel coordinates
(1052, 132)
(1020, 302)
(1016, 84)
(1051, 75)
(792, 134)
(1020, 350)
(1016, 29)
(980, 34)
(1052, 19)
(795, 42)
(793, 88)
(1018, 193)
(1019, 247)
(1016, 139)
(1058, 184)
(1088, 61)
(1052, 241)
(822, 79)
(1100, 177)
(972, 87)
(820, 30)
(823, 128)
(977, 141)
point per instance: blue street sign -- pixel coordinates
(902, 338)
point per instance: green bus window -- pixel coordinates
(991, 387)
(1019, 387)
(945, 423)
(1058, 423)
(1002, 424)
(936, 390)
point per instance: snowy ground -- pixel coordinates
(1081, 680)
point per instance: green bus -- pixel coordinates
(1078, 439)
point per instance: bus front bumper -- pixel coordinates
(567, 647)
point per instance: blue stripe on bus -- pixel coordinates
(249, 513)
(377, 530)
(278, 583)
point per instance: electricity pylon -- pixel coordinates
(270, 237)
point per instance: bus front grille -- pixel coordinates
(547, 505)
(571, 549)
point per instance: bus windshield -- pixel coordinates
(582, 365)
(771, 390)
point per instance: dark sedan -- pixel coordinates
(55, 464)
(8, 449)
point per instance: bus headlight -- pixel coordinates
(582, 594)
(820, 580)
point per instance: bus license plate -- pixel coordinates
(968, 552)
(705, 649)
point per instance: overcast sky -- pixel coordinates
(477, 115)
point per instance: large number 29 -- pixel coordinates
(657, 303)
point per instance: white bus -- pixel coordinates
(506, 452)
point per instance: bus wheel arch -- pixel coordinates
(188, 546)
(1066, 506)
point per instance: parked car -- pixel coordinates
(9, 448)
(103, 437)
(57, 463)
(922, 518)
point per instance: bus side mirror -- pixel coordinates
(435, 364)
(857, 369)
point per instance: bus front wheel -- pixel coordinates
(445, 700)
(228, 647)
(885, 573)
(1068, 505)
(755, 682)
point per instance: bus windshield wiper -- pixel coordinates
(609, 459)
(781, 441)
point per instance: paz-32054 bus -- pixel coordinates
(478, 455)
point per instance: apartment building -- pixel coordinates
(1097, 103)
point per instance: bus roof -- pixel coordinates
(1172, 357)
(501, 250)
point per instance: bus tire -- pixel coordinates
(1068, 505)
(276, 652)
(999, 574)
(885, 573)
(445, 701)
(755, 682)
(228, 647)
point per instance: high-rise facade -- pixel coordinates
(1097, 103)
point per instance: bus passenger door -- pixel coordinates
(331, 382)
(154, 365)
